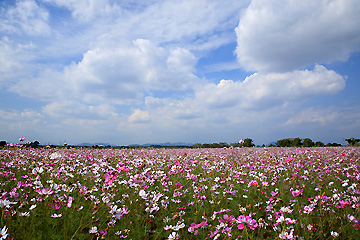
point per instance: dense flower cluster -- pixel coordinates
(286, 193)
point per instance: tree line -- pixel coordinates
(286, 142)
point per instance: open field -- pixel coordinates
(253, 193)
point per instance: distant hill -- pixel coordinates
(166, 144)
(272, 143)
(93, 144)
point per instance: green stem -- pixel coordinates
(77, 228)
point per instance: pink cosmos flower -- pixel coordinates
(14, 194)
(192, 176)
(110, 177)
(253, 183)
(194, 226)
(308, 209)
(227, 219)
(178, 185)
(54, 205)
(122, 168)
(22, 138)
(250, 223)
(157, 197)
(343, 203)
(291, 221)
(222, 211)
(297, 192)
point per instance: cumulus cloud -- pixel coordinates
(263, 90)
(287, 35)
(118, 75)
(139, 116)
(169, 109)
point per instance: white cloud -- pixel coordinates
(9, 64)
(26, 16)
(49, 85)
(77, 110)
(21, 123)
(86, 10)
(6, 115)
(139, 116)
(263, 90)
(202, 24)
(312, 115)
(119, 75)
(282, 35)
(168, 110)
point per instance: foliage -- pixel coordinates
(352, 141)
(220, 193)
(284, 142)
(308, 142)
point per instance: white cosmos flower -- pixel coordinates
(93, 230)
(3, 233)
(143, 194)
(32, 207)
(173, 235)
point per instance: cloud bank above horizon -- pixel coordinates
(192, 71)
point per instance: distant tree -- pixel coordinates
(224, 144)
(308, 142)
(284, 142)
(207, 145)
(236, 144)
(2, 143)
(352, 141)
(333, 145)
(197, 145)
(296, 142)
(319, 144)
(35, 144)
(248, 142)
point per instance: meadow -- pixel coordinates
(224, 193)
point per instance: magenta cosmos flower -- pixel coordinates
(246, 221)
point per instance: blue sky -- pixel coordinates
(125, 72)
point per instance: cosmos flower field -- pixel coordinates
(231, 193)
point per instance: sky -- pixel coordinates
(133, 72)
